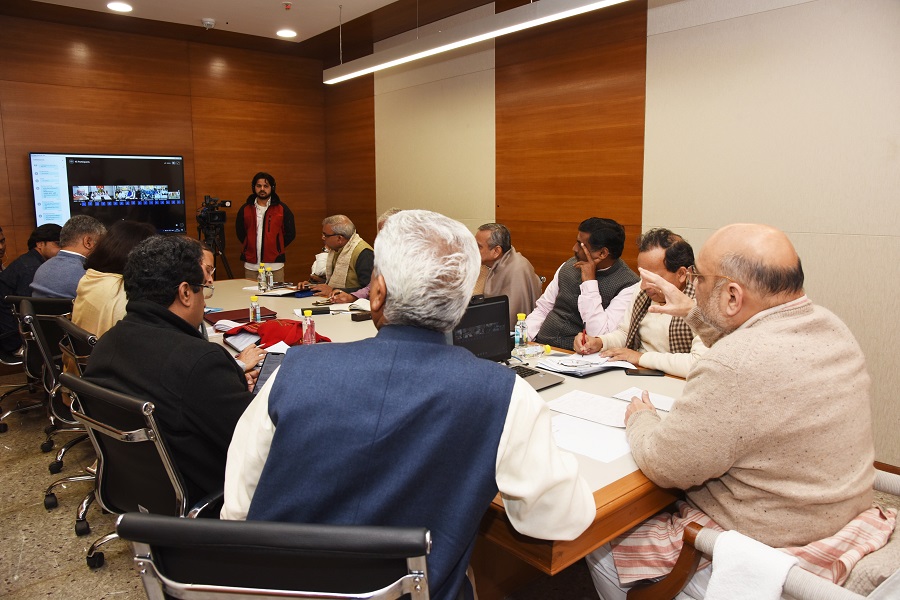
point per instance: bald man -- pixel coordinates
(772, 436)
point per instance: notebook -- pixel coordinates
(484, 331)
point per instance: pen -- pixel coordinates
(584, 338)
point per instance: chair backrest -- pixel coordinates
(76, 345)
(206, 558)
(135, 471)
(44, 310)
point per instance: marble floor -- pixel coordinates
(41, 557)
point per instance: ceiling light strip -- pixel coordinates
(517, 19)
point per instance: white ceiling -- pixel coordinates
(252, 17)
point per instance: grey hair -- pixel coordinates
(765, 279)
(78, 227)
(384, 216)
(429, 263)
(341, 225)
(499, 236)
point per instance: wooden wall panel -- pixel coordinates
(234, 140)
(65, 55)
(570, 130)
(229, 73)
(350, 153)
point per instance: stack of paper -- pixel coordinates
(579, 366)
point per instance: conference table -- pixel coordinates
(505, 559)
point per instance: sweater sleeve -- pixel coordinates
(674, 363)
(290, 230)
(543, 493)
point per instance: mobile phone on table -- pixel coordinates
(645, 372)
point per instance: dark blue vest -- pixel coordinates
(400, 429)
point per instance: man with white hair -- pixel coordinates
(403, 429)
(350, 258)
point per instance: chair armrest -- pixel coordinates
(672, 584)
(208, 507)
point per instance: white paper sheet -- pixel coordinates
(660, 401)
(591, 407)
(589, 439)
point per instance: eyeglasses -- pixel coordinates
(328, 235)
(693, 275)
(208, 290)
(210, 271)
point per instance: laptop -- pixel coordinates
(484, 331)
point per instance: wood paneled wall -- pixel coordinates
(229, 112)
(570, 130)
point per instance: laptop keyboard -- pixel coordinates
(523, 371)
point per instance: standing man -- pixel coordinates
(590, 293)
(383, 433)
(265, 225)
(772, 436)
(509, 273)
(59, 276)
(648, 339)
(15, 280)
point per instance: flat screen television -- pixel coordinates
(110, 187)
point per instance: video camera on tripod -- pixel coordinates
(211, 227)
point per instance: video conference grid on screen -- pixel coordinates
(110, 188)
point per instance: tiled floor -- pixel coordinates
(41, 557)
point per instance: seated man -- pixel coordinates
(156, 353)
(350, 258)
(509, 273)
(654, 340)
(590, 292)
(15, 280)
(59, 276)
(383, 433)
(772, 436)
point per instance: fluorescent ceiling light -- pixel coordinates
(286, 33)
(517, 19)
(119, 7)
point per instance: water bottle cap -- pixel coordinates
(307, 313)
(253, 298)
(521, 316)
(268, 268)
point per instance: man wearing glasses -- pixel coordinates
(350, 258)
(649, 339)
(772, 436)
(157, 353)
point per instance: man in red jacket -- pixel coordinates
(265, 225)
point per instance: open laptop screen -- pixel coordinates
(484, 329)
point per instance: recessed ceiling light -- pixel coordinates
(286, 33)
(119, 7)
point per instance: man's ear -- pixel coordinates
(185, 295)
(377, 293)
(733, 299)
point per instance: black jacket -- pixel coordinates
(197, 387)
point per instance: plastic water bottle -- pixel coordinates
(255, 316)
(261, 279)
(309, 328)
(270, 279)
(521, 331)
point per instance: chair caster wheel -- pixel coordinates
(55, 467)
(50, 501)
(95, 561)
(47, 446)
(3, 427)
(84, 528)
(49, 429)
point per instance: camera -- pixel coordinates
(209, 213)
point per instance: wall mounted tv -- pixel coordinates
(110, 187)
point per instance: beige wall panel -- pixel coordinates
(434, 133)
(789, 117)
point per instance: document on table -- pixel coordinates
(579, 366)
(591, 407)
(658, 400)
(589, 439)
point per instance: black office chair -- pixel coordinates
(39, 320)
(134, 470)
(76, 346)
(205, 558)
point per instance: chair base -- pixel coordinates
(94, 558)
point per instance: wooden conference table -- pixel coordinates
(505, 559)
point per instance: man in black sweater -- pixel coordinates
(156, 353)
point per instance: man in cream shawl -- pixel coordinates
(350, 259)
